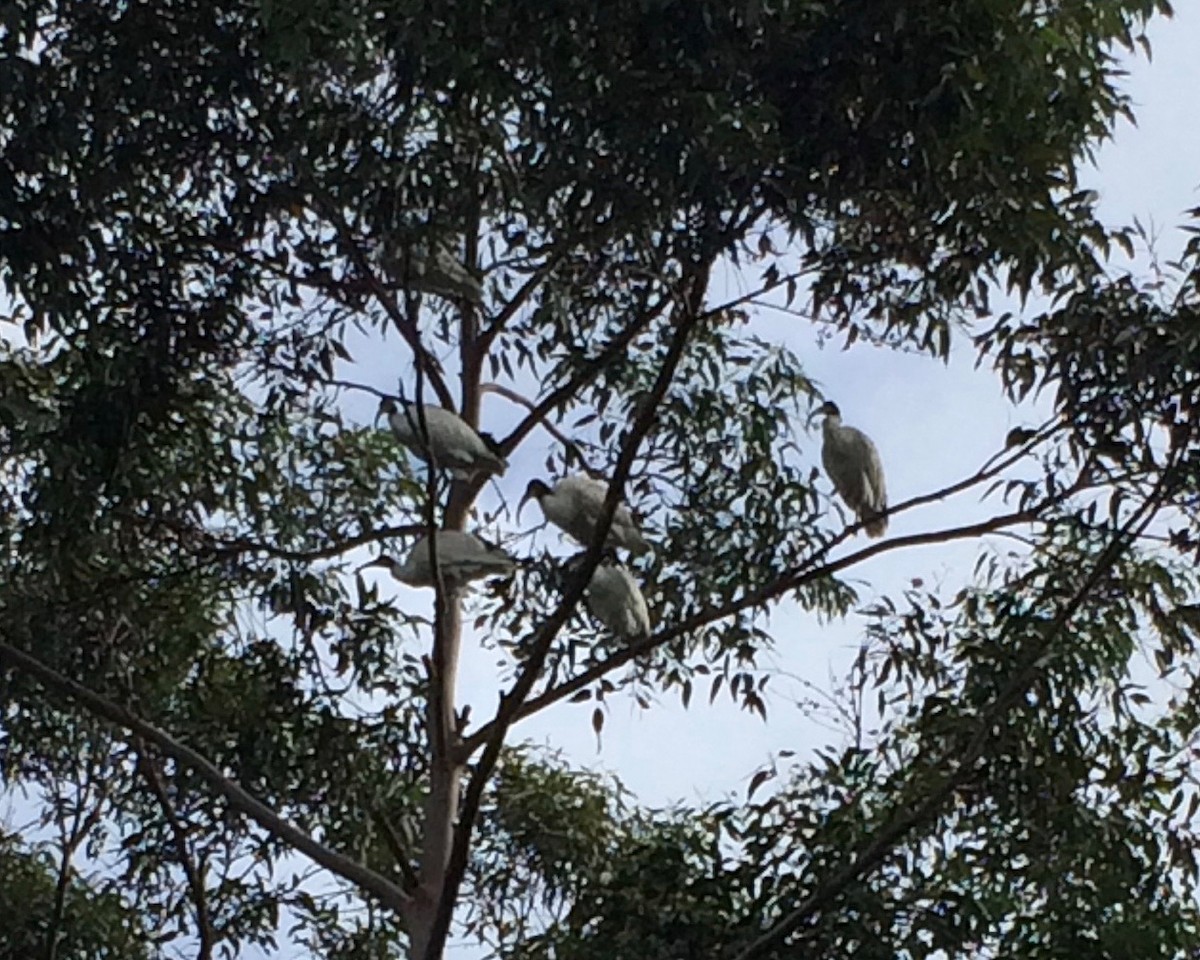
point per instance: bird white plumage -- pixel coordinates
(613, 597)
(461, 558)
(453, 444)
(574, 505)
(852, 463)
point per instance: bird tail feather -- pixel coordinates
(875, 525)
(639, 545)
(495, 563)
(494, 464)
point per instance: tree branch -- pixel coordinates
(445, 771)
(224, 547)
(769, 592)
(801, 575)
(387, 893)
(404, 324)
(232, 547)
(470, 350)
(539, 644)
(53, 928)
(995, 465)
(614, 349)
(464, 493)
(364, 387)
(753, 297)
(524, 292)
(960, 762)
(569, 445)
(396, 848)
(179, 837)
(71, 839)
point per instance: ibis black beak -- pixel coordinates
(536, 490)
(824, 410)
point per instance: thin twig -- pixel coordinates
(500, 321)
(54, 927)
(221, 547)
(364, 387)
(406, 326)
(71, 839)
(396, 848)
(335, 549)
(464, 493)
(995, 466)
(752, 297)
(612, 351)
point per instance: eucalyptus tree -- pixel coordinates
(210, 211)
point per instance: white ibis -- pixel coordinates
(853, 464)
(461, 558)
(454, 445)
(442, 275)
(613, 597)
(574, 505)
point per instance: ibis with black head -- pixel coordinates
(852, 462)
(574, 505)
(461, 558)
(452, 443)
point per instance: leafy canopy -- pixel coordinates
(214, 219)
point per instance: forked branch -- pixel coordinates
(191, 869)
(571, 447)
(404, 324)
(613, 350)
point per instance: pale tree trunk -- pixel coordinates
(445, 783)
(445, 765)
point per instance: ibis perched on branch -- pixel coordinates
(453, 444)
(441, 275)
(461, 558)
(574, 506)
(612, 596)
(853, 464)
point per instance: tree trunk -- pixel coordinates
(445, 780)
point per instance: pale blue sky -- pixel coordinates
(932, 423)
